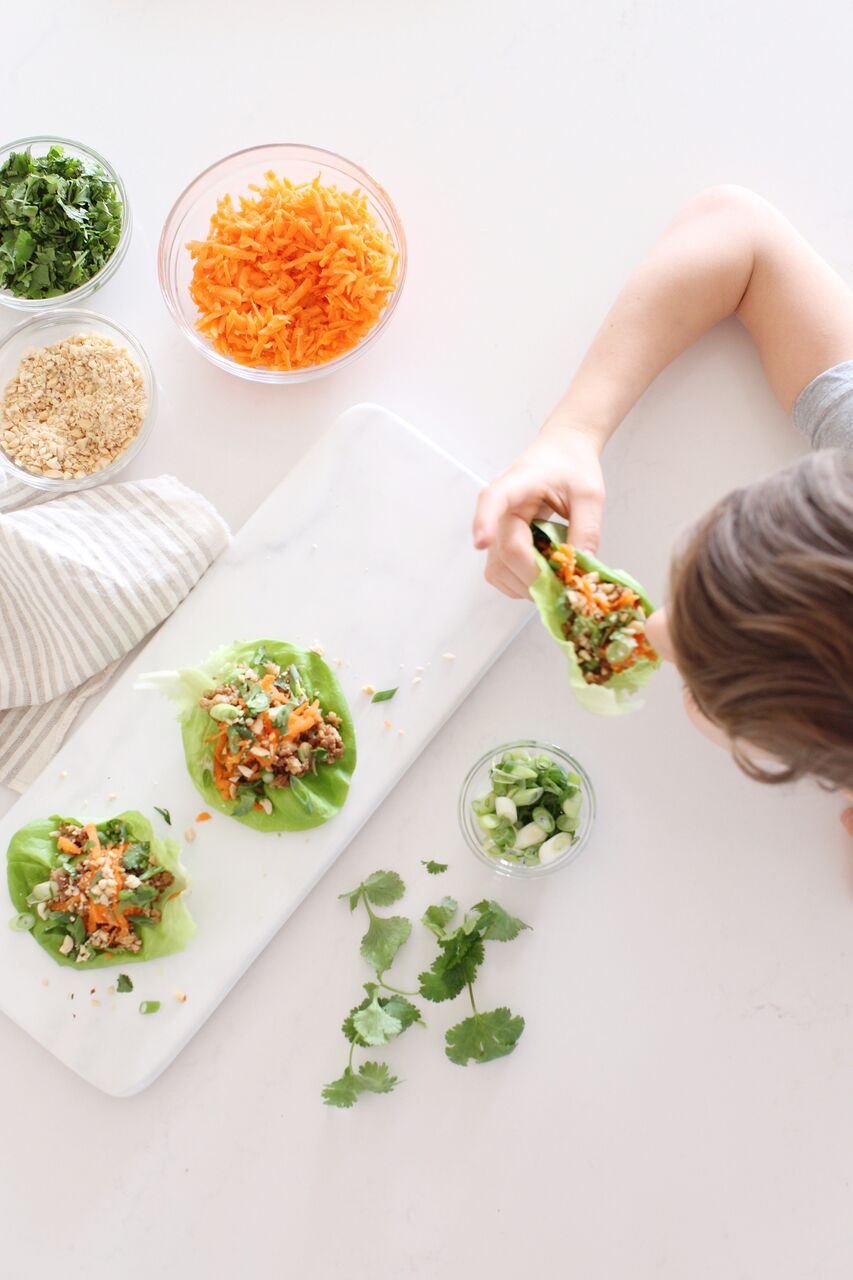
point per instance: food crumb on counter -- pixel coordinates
(387, 724)
(419, 670)
(417, 680)
(113, 795)
(95, 1002)
(63, 773)
(181, 997)
(45, 982)
(368, 688)
(317, 648)
(111, 990)
(401, 733)
(449, 657)
(189, 834)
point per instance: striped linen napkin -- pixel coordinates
(83, 579)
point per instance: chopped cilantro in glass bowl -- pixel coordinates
(65, 222)
(526, 809)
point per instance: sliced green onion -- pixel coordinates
(23, 921)
(149, 1006)
(543, 819)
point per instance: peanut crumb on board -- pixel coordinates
(45, 982)
(449, 657)
(419, 670)
(189, 834)
(63, 773)
(111, 990)
(95, 1002)
(417, 680)
(401, 733)
(317, 648)
(73, 407)
(368, 688)
(113, 795)
(387, 724)
(181, 997)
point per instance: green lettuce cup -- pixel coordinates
(267, 732)
(616, 693)
(117, 900)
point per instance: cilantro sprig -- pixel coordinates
(483, 1036)
(386, 1012)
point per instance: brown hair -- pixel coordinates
(761, 619)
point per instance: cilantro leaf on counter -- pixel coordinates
(124, 983)
(483, 1037)
(381, 888)
(164, 814)
(434, 868)
(384, 938)
(372, 1077)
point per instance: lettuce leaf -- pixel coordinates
(618, 695)
(32, 856)
(318, 797)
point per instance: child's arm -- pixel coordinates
(727, 253)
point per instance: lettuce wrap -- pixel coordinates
(602, 686)
(92, 918)
(267, 733)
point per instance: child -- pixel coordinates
(760, 619)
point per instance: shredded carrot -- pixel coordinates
(204, 816)
(296, 275)
(301, 719)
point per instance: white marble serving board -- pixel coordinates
(364, 548)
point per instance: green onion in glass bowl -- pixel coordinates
(527, 808)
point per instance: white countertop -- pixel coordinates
(680, 1103)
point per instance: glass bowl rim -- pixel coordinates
(519, 870)
(49, 484)
(166, 248)
(113, 262)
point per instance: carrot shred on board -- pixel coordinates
(204, 816)
(296, 275)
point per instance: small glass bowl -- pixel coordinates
(43, 331)
(190, 217)
(40, 145)
(477, 783)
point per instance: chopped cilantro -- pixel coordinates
(434, 868)
(124, 983)
(60, 222)
(164, 814)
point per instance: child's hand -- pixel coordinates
(559, 473)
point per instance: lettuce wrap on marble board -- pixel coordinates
(267, 733)
(99, 894)
(597, 616)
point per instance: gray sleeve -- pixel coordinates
(823, 411)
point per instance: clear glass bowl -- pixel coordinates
(190, 220)
(43, 331)
(477, 784)
(39, 145)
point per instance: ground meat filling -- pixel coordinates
(105, 886)
(606, 621)
(267, 730)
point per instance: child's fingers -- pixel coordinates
(514, 546)
(503, 495)
(500, 576)
(585, 521)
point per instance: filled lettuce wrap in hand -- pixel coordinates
(99, 894)
(267, 732)
(598, 617)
